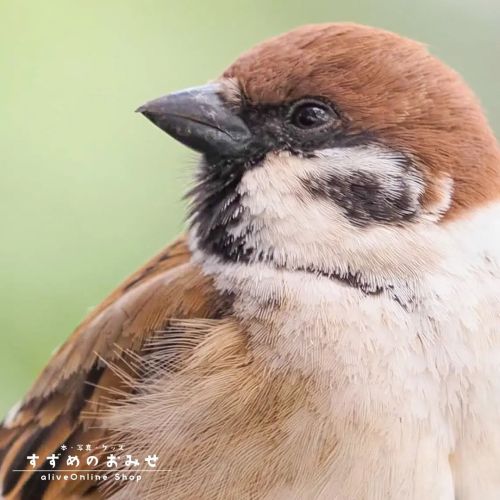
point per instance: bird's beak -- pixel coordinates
(199, 118)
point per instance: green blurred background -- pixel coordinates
(89, 189)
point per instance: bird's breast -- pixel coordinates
(398, 389)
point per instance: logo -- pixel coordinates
(83, 462)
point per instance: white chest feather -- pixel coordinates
(408, 379)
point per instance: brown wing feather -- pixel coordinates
(65, 402)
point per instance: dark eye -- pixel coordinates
(310, 115)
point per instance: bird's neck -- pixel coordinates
(300, 318)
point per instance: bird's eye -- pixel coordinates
(309, 115)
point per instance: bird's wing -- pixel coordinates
(92, 367)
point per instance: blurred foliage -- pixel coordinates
(88, 189)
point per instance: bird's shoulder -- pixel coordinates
(96, 364)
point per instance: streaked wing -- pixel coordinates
(94, 368)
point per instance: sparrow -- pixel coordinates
(328, 327)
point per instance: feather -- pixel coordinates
(94, 368)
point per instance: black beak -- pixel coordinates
(199, 118)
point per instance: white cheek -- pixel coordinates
(297, 228)
(280, 205)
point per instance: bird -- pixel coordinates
(328, 325)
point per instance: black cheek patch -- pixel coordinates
(368, 197)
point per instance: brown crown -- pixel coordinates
(391, 87)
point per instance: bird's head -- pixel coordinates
(325, 148)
